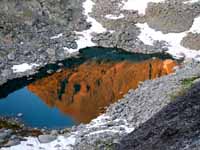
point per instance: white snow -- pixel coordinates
(70, 51)
(102, 131)
(195, 27)
(34, 144)
(23, 67)
(149, 35)
(114, 17)
(139, 5)
(85, 37)
(191, 1)
(103, 120)
(56, 36)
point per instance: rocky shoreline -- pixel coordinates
(38, 34)
(13, 131)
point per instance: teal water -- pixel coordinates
(35, 112)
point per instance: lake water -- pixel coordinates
(82, 90)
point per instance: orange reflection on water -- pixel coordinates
(83, 92)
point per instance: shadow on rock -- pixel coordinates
(177, 126)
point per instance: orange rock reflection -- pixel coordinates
(83, 92)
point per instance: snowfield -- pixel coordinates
(149, 35)
(23, 67)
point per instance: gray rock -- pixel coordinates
(191, 41)
(57, 146)
(169, 17)
(9, 131)
(46, 138)
(6, 72)
(2, 141)
(54, 132)
(49, 71)
(12, 142)
(5, 134)
(60, 64)
(51, 52)
(13, 137)
(11, 56)
(59, 70)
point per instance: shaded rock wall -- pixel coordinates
(175, 127)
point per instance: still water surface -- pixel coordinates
(82, 90)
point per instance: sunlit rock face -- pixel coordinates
(85, 91)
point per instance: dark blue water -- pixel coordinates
(15, 98)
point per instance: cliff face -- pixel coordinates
(83, 92)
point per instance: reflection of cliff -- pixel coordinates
(83, 92)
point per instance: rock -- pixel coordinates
(191, 41)
(4, 135)
(57, 146)
(46, 138)
(11, 56)
(6, 72)
(196, 81)
(9, 131)
(12, 142)
(73, 45)
(2, 141)
(13, 137)
(60, 64)
(169, 17)
(54, 132)
(59, 70)
(50, 71)
(51, 52)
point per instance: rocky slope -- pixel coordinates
(175, 127)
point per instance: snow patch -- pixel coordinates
(85, 37)
(70, 50)
(139, 5)
(191, 1)
(56, 36)
(195, 27)
(23, 67)
(114, 17)
(103, 120)
(34, 144)
(149, 35)
(102, 131)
